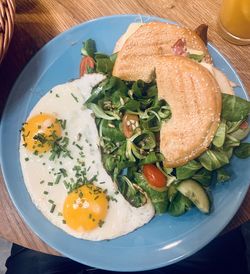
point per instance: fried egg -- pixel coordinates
(63, 171)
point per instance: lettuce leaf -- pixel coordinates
(159, 199)
(234, 108)
(188, 170)
(213, 159)
(243, 151)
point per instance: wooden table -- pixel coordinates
(39, 21)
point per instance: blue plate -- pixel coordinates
(165, 239)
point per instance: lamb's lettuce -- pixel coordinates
(159, 199)
(222, 175)
(220, 135)
(188, 170)
(234, 108)
(179, 205)
(243, 151)
(131, 191)
(213, 159)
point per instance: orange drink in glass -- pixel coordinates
(234, 21)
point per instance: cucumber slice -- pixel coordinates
(194, 191)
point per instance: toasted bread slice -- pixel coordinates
(195, 101)
(132, 28)
(137, 57)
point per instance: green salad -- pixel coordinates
(129, 116)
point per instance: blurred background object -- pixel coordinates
(7, 14)
(234, 21)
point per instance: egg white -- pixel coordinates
(66, 102)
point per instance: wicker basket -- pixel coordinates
(7, 13)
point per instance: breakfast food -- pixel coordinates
(70, 186)
(136, 58)
(139, 134)
(195, 101)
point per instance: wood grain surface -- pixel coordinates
(39, 21)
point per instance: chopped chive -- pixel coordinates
(76, 99)
(80, 147)
(26, 159)
(79, 136)
(50, 183)
(52, 208)
(100, 223)
(46, 192)
(57, 95)
(64, 222)
(58, 178)
(51, 201)
(41, 182)
(63, 172)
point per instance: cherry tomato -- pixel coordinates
(244, 125)
(86, 63)
(129, 123)
(154, 176)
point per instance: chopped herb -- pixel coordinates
(26, 159)
(50, 183)
(113, 199)
(46, 192)
(78, 146)
(79, 136)
(58, 178)
(76, 99)
(57, 95)
(41, 182)
(100, 223)
(62, 123)
(63, 221)
(63, 172)
(51, 201)
(52, 208)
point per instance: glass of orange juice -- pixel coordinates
(234, 21)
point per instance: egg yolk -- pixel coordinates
(85, 208)
(39, 130)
